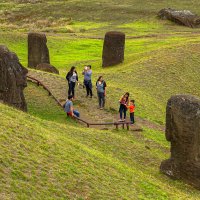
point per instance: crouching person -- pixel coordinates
(69, 108)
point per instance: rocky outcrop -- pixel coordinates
(113, 48)
(183, 17)
(37, 49)
(47, 68)
(12, 79)
(183, 132)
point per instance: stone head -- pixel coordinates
(12, 78)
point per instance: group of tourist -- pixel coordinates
(72, 79)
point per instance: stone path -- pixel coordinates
(88, 107)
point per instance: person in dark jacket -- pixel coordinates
(72, 78)
(101, 91)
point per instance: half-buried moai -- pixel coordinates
(12, 79)
(113, 48)
(37, 49)
(183, 131)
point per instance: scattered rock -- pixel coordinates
(183, 131)
(47, 68)
(28, 1)
(113, 48)
(137, 129)
(104, 129)
(112, 109)
(183, 17)
(147, 147)
(37, 49)
(12, 79)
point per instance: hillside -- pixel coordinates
(161, 58)
(44, 160)
(78, 16)
(44, 154)
(154, 68)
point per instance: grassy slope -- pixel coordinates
(55, 160)
(51, 160)
(159, 75)
(79, 16)
(43, 106)
(151, 70)
(154, 68)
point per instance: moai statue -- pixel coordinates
(37, 49)
(183, 131)
(12, 79)
(113, 48)
(181, 17)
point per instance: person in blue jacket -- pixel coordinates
(87, 80)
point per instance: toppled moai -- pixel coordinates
(113, 48)
(181, 17)
(183, 132)
(12, 79)
(38, 51)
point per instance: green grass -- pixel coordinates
(153, 70)
(88, 17)
(43, 106)
(44, 155)
(52, 160)
(164, 73)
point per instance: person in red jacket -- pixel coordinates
(131, 108)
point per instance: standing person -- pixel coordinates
(72, 77)
(101, 91)
(69, 108)
(132, 111)
(87, 80)
(124, 102)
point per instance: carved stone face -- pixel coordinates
(183, 132)
(12, 79)
(183, 126)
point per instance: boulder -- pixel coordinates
(12, 79)
(113, 48)
(37, 49)
(183, 132)
(183, 17)
(47, 68)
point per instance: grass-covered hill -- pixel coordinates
(44, 155)
(80, 16)
(161, 58)
(154, 68)
(41, 159)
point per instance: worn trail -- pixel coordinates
(88, 107)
